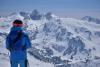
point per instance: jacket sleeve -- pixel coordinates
(7, 43)
(27, 42)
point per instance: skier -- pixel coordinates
(17, 42)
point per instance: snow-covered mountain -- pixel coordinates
(91, 19)
(56, 42)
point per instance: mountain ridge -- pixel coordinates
(60, 41)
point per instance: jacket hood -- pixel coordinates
(16, 28)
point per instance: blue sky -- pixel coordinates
(70, 8)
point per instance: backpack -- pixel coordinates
(16, 43)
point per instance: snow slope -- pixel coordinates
(57, 42)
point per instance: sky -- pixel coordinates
(63, 8)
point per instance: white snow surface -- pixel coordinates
(69, 23)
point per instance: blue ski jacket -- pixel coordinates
(19, 54)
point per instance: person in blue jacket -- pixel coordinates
(17, 42)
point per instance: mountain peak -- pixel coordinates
(91, 19)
